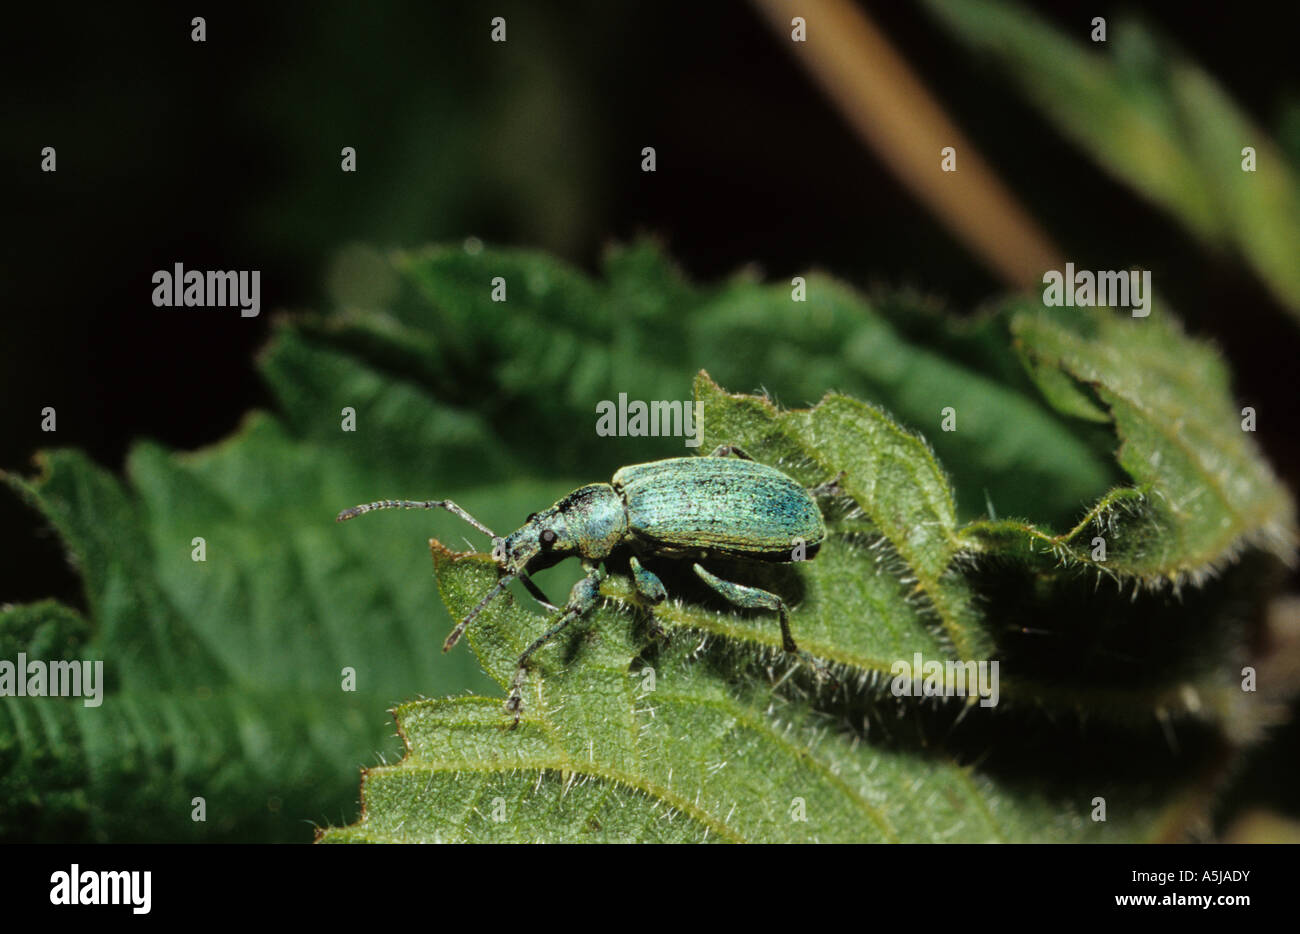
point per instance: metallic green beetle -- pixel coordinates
(684, 507)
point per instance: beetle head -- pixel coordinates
(542, 540)
(544, 536)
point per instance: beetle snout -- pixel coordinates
(516, 550)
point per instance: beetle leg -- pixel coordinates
(753, 598)
(727, 450)
(648, 584)
(537, 593)
(652, 589)
(582, 598)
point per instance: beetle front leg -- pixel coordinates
(582, 598)
(751, 598)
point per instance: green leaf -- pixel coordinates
(1201, 492)
(598, 757)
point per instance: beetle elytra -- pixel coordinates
(726, 505)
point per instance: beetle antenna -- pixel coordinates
(498, 546)
(384, 504)
(459, 631)
(446, 504)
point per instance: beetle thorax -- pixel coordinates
(596, 517)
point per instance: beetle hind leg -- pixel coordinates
(754, 598)
(751, 598)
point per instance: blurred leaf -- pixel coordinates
(470, 120)
(225, 676)
(562, 342)
(1156, 121)
(1260, 826)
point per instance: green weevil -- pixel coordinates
(726, 505)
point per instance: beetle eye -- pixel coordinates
(548, 537)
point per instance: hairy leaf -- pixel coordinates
(1201, 492)
(599, 756)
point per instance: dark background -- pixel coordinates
(226, 155)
